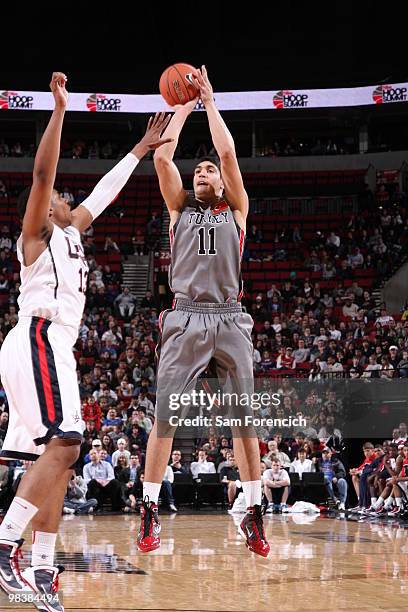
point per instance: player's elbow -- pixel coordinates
(40, 175)
(161, 159)
(227, 154)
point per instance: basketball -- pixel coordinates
(176, 84)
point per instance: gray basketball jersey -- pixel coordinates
(206, 251)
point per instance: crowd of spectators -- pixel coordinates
(300, 329)
(280, 147)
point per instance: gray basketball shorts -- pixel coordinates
(192, 335)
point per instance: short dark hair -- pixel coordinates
(212, 160)
(22, 200)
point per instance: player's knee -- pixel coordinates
(65, 452)
(165, 429)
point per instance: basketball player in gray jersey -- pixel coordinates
(206, 323)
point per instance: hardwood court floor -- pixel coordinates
(203, 565)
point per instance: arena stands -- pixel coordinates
(311, 267)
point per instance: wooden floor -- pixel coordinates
(317, 564)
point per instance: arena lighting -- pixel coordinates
(235, 100)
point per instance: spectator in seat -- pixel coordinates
(142, 420)
(286, 359)
(111, 420)
(267, 361)
(356, 259)
(229, 477)
(5, 239)
(101, 482)
(329, 434)
(121, 451)
(126, 302)
(148, 301)
(143, 371)
(393, 357)
(138, 243)
(276, 483)
(109, 446)
(328, 270)
(275, 453)
(202, 466)
(254, 234)
(372, 368)
(350, 309)
(75, 501)
(91, 411)
(137, 439)
(121, 468)
(302, 353)
(176, 465)
(166, 491)
(129, 477)
(110, 245)
(90, 433)
(301, 464)
(384, 320)
(334, 476)
(387, 370)
(144, 402)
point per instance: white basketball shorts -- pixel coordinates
(38, 373)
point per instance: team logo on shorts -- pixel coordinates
(75, 417)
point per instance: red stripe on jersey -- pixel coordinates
(171, 235)
(161, 319)
(45, 373)
(241, 241)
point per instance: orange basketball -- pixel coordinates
(176, 84)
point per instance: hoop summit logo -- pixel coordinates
(289, 99)
(12, 100)
(388, 93)
(101, 103)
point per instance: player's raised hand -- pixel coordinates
(155, 127)
(202, 83)
(57, 86)
(187, 108)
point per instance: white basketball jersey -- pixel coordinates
(54, 286)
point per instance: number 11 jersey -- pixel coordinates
(206, 251)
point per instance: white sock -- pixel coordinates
(388, 502)
(17, 518)
(152, 490)
(379, 503)
(43, 548)
(252, 492)
(373, 501)
(398, 501)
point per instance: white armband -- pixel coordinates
(110, 185)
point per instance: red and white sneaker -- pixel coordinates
(148, 538)
(395, 511)
(10, 574)
(252, 530)
(41, 582)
